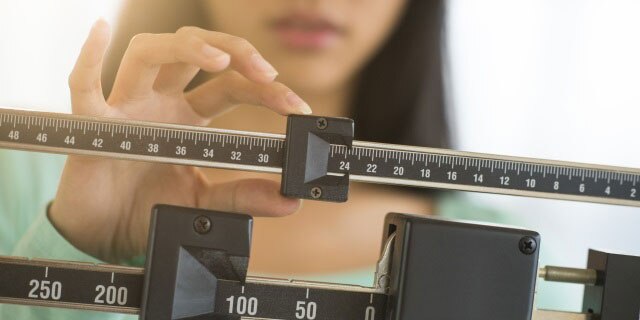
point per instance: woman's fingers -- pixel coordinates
(190, 47)
(245, 58)
(84, 81)
(231, 88)
(173, 78)
(257, 197)
(148, 52)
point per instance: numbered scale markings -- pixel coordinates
(365, 161)
(119, 289)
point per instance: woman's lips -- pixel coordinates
(306, 32)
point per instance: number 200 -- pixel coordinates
(111, 295)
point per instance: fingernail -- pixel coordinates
(261, 65)
(216, 58)
(211, 52)
(97, 23)
(295, 101)
(101, 24)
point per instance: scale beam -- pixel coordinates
(363, 161)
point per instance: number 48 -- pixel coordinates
(14, 135)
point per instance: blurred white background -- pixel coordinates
(546, 78)
(555, 79)
(40, 41)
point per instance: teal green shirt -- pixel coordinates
(28, 181)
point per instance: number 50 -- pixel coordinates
(306, 310)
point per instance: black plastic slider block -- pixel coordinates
(189, 250)
(448, 270)
(616, 295)
(308, 146)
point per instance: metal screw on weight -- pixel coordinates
(202, 225)
(528, 245)
(316, 192)
(322, 123)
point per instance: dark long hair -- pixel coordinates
(400, 96)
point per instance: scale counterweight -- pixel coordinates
(364, 161)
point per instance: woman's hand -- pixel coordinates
(103, 206)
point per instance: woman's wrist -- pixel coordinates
(60, 223)
(50, 218)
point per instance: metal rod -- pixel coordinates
(559, 315)
(569, 275)
(365, 162)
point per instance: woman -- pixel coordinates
(378, 62)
